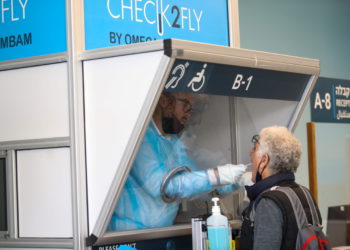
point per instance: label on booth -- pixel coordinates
(179, 242)
(219, 79)
(330, 101)
(118, 22)
(32, 28)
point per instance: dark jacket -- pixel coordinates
(261, 191)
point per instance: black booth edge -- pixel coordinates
(167, 47)
(91, 240)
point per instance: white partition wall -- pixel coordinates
(116, 90)
(34, 103)
(44, 193)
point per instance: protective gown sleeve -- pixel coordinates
(149, 167)
(188, 184)
(226, 189)
(191, 185)
(157, 156)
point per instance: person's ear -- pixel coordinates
(265, 159)
(163, 101)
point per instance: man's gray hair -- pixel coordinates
(283, 148)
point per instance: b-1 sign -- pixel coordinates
(219, 79)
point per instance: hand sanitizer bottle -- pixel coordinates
(218, 229)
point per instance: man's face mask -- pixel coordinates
(258, 176)
(171, 125)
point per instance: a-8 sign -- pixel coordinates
(330, 101)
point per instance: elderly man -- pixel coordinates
(275, 158)
(155, 185)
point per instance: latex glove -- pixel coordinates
(226, 174)
(246, 179)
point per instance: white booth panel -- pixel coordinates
(34, 103)
(44, 193)
(254, 114)
(115, 91)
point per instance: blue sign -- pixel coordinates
(330, 101)
(117, 22)
(219, 79)
(32, 28)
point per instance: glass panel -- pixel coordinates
(253, 114)
(3, 210)
(200, 138)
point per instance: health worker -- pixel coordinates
(162, 174)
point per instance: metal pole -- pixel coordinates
(75, 44)
(199, 238)
(311, 143)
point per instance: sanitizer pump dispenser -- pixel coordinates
(218, 229)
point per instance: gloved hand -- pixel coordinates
(246, 179)
(226, 174)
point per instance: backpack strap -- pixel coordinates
(298, 209)
(263, 195)
(297, 206)
(254, 205)
(295, 202)
(315, 218)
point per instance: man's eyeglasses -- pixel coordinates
(255, 140)
(187, 106)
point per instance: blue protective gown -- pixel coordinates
(140, 204)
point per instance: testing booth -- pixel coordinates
(236, 92)
(79, 85)
(62, 185)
